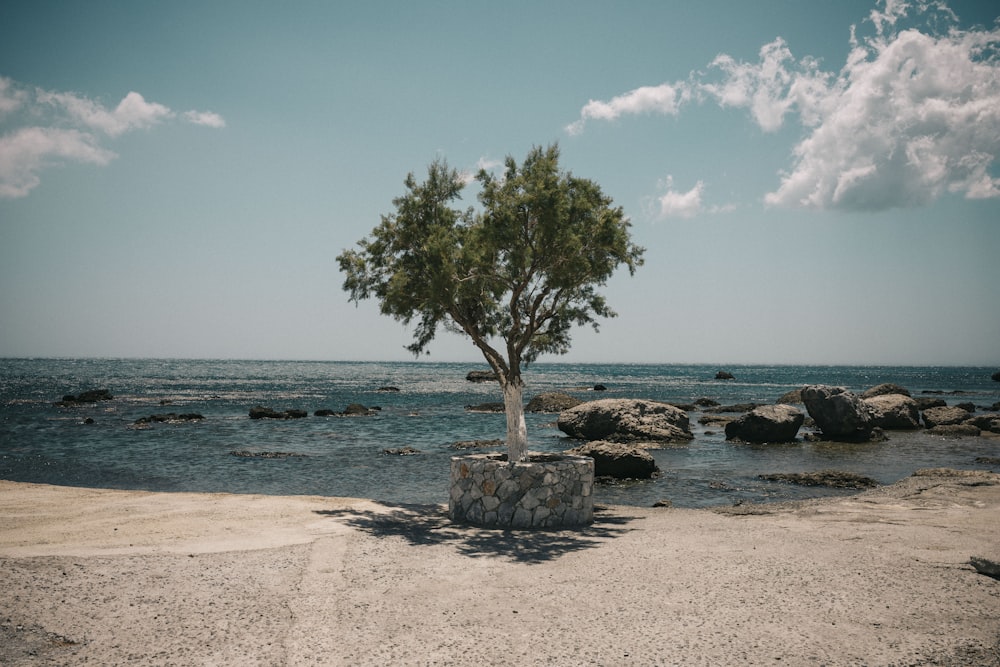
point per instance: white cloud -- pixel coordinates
(26, 151)
(665, 98)
(206, 118)
(913, 114)
(43, 129)
(673, 204)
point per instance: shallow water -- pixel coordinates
(42, 442)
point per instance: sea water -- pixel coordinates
(100, 444)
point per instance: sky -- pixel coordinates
(814, 182)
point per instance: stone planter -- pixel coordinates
(547, 491)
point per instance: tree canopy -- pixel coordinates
(515, 276)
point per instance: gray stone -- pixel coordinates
(553, 401)
(884, 389)
(625, 420)
(768, 423)
(618, 460)
(894, 411)
(944, 416)
(838, 413)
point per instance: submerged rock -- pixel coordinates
(260, 412)
(552, 401)
(478, 444)
(247, 454)
(400, 451)
(481, 376)
(486, 407)
(169, 417)
(89, 396)
(833, 478)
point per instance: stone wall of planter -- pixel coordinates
(548, 491)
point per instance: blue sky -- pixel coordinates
(814, 182)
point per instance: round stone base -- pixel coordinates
(547, 491)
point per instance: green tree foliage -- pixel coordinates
(515, 276)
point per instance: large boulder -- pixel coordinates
(625, 420)
(838, 413)
(986, 422)
(768, 423)
(618, 460)
(552, 401)
(946, 416)
(894, 411)
(790, 397)
(885, 388)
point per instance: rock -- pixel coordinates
(832, 478)
(715, 419)
(663, 503)
(944, 416)
(89, 396)
(388, 389)
(478, 444)
(724, 375)
(246, 454)
(988, 460)
(990, 568)
(705, 402)
(400, 451)
(996, 376)
(736, 407)
(617, 460)
(838, 413)
(552, 401)
(967, 406)
(600, 387)
(986, 422)
(486, 407)
(169, 417)
(955, 430)
(625, 420)
(923, 403)
(791, 397)
(267, 413)
(883, 389)
(894, 411)
(768, 423)
(481, 376)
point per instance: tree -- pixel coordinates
(515, 276)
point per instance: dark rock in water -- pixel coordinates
(600, 387)
(478, 444)
(89, 396)
(724, 375)
(986, 422)
(625, 420)
(663, 503)
(955, 430)
(169, 417)
(357, 409)
(267, 413)
(833, 478)
(705, 402)
(326, 412)
(246, 454)
(768, 423)
(400, 451)
(736, 407)
(388, 389)
(885, 388)
(481, 376)
(945, 416)
(352, 410)
(838, 413)
(967, 406)
(715, 419)
(791, 397)
(88, 420)
(894, 411)
(923, 403)
(552, 401)
(486, 407)
(617, 460)
(996, 376)
(988, 460)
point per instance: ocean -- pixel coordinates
(101, 445)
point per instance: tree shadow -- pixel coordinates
(429, 525)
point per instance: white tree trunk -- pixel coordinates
(517, 430)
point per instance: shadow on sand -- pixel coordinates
(428, 525)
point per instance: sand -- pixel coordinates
(104, 577)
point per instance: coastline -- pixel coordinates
(878, 578)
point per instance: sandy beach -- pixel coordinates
(105, 577)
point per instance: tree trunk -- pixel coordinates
(517, 430)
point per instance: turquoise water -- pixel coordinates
(42, 442)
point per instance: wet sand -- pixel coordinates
(104, 577)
